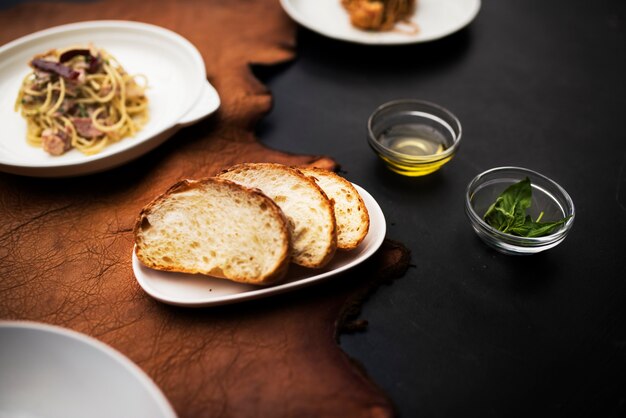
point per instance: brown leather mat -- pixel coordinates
(65, 244)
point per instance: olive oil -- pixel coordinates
(415, 146)
(413, 140)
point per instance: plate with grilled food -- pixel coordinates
(253, 231)
(383, 22)
(88, 96)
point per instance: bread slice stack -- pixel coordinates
(249, 222)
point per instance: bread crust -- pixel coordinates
(327, 204)
(362, 209)
(272, 277)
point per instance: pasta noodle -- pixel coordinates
(80, 98)
(380, 15)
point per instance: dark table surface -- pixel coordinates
(468, 331)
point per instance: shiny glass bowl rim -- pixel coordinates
(510, 239)
(398, 156)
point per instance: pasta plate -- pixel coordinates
(178, 92)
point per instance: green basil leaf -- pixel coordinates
(523, 229)
(498, 217)
(508, 213)
(509, 209)
(540, 229)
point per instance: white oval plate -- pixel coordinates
(49, 371)
(196, 290)
(434, 18)
(178, 92)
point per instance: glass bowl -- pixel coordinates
(413, 137)
(547, 197)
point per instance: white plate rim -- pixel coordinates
(144, 380)
(377, 222)
(376, 38)
(205, 102)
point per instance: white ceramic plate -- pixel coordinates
(178, 92)
(434, 18)
(195, 290)
(48, 371)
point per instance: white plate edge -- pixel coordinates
(146, 381)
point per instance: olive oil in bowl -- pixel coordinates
(412, 137)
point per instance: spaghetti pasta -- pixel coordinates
(80, 98)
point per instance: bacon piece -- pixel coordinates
(85, 128)
(55, 143)
(68, 55)
(54, 67)
(93, 62)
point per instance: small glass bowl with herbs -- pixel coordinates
(518, 211)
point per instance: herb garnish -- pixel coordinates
(508, 213)
(82, 112)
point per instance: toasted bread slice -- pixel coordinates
(351, 214)
(307, 208)
(217, 228)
